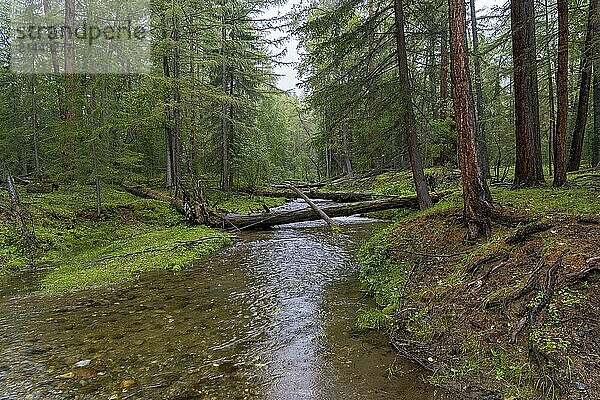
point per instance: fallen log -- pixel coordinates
(315, 208)
(338, 197)
(268, 220)
(274, 218)
(146, 193)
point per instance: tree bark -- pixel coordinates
(562, 95)
(596, 104)
(444, 72)
(552, 129)
(584, 92)
(528, 171)
(224, 110)
(408, 111)
(480, 118)
(477, 198)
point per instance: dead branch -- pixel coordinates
(312, 205)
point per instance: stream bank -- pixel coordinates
(515, 317)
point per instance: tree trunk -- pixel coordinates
(444, 72)
(176, 138)
(346, 149)
(314, 207)
(274, 218)
(596, 138)
(480, 118)
(477, 198)
(552, 129)
(97, 180)
(69, 46)
(408, 114)
(562, 95)
(224, 112)
(27, 238)
(584, 92)
(596, 104)
(34, 127)
(528, 171)
(53, 50)
(170, 181)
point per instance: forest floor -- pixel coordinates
(515, 317)
(77, 249)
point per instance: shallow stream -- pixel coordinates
(272, 317)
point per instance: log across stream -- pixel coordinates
(267, 220)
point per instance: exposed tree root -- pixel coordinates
(527, 288)
(502, 257)
(593, 264)
(544, 302)
(522, 234)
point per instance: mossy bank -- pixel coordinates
(511, 318)
(78, 249)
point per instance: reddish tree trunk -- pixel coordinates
(584, 92)
(481, 141)
(562, 95)
(477, 198)
(528, 171)
(408, 115)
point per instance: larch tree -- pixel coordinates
(596, 92)
(528, 168)
(477, 197)
(562, 92)
(577, 142)
(408, 114)
(481, 140)
(444, 71)
(576, 150)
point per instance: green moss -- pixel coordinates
(123, 259)
(380, 274)
(81, 250)
(550, 202)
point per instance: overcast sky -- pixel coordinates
(289, 78)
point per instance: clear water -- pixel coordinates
(269, 318)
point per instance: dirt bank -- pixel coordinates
(513, 318)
